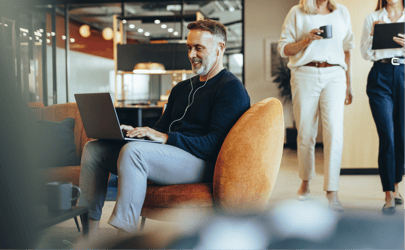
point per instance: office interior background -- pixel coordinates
(55, 60)
(252, 25)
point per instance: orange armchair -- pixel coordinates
(245, 171)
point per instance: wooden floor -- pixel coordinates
(356, 192)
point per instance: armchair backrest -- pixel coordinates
(248, 163)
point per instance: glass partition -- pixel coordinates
(49, 74)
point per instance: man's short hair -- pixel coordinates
(214, 27)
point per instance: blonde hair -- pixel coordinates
(309, 6)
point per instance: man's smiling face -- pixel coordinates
(202, 54)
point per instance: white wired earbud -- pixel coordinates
(192, 99)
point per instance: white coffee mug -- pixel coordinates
(59, 195)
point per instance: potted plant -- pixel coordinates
(282, 78)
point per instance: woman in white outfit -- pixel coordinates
(320, 81)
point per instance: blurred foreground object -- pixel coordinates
(298, 225)
(289, 224)
(17, 161)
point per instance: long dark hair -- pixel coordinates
(382, 4)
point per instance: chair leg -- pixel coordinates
(77, 224)
(143, 223)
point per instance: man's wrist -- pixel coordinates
(166, 137)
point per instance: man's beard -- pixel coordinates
(206, 65)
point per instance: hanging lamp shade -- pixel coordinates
(149, 66)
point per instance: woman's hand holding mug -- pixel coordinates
(312, 36)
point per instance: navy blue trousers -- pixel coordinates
(385, 89)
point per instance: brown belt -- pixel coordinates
(393, 61)
(320, 64)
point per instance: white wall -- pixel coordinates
(264, 19)
(360, 137)
(87, 74)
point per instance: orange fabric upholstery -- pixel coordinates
(194, 195)
(245, 171)
(250, 157)
(58, 112)
(35, 105)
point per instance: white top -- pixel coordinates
(297, 24)
(367, 40)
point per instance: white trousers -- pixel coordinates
(323, 89)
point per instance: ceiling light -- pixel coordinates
(140, 30)
(53, 33)
(72, 40)
(147, 34)
(231, 9)
(24, 34)
(30, 38)
(48, 40)
(124, 21)
(41, 30)
(63, 37)
(157, 21)
(170, 29)
(131, 26)
(84, 30)
(48, 34)
(164, 26)
(107, 33)
(176, 33)
(5, 25)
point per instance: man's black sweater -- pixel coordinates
(215, 109)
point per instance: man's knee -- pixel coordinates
(133, 154)
(91, 146)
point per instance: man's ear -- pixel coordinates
(221, 47)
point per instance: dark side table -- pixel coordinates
(47, 218)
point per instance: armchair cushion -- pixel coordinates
(56, 143)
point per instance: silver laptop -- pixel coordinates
(100, 118)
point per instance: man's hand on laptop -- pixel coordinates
(142, 132)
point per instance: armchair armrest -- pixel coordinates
(249, 160)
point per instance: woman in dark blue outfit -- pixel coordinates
(385, 89)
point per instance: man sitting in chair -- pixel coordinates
(199, 114)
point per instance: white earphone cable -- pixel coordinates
(192, 99)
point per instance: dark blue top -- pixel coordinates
(216, 108)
